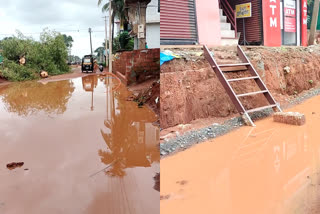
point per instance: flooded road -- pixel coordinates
(270, 169)
(85, 148)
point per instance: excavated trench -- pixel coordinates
(191, 91)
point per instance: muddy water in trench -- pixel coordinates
(273, 168)
(85, 149)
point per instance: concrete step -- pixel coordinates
(223, 19)
(227, 34)
(220, 12)
(225, 41)
(225, 26)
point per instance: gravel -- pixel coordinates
(182, 142)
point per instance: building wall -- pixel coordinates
(153, 35)
(208, 20)
(153, 25)
(152, 12)
(135, 66)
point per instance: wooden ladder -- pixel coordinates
(245, 65)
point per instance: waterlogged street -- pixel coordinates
(273, 168)
(84, 148)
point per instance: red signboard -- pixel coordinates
(271, 22)
(290, 12)
(304, 33)
(290, 24)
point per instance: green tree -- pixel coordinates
(67, 40)
(49, 54)
(117, 11)
(99, 52)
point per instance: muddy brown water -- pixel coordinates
(87, 149)
(272, 168)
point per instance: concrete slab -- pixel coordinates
(293, 118)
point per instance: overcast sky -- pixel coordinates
(65, 16)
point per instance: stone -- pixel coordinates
(44, 74)
(286, 69)
(22, 60)
(293, 118)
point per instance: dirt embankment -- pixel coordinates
(190, 89)
(147, 92)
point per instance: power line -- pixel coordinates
(60, 31)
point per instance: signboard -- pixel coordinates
(290, 8)
(290, 24)
(304, 32)
(243, 10)
(271, 22)
(289, 16)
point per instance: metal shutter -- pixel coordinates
(253, 24)
(178, 22)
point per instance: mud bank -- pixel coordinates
(147, 92)
(191, 90)
(272, 168)
(177, 141)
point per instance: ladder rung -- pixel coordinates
(252, 93)
(231, 65)
(261, 108)
(243, 78)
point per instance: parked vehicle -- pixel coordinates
(87, 63)
(101, 67)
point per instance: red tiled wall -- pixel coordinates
(137, 65)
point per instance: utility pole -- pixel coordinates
(314, 20)
(106, 39)
(110, 38)
(90, 40)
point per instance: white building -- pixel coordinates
(153, 24)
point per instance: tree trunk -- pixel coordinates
(113, 16)
(313, 27)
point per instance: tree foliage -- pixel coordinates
(67, 40)
(117, 11)
(49, 54)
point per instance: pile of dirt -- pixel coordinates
(190, 89)
(147, 92)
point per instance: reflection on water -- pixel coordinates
(130, 137)
(272, 168)
(268, 169)
(87, 148)
(31, 97)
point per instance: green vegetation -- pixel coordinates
(67, 40)
(117, 11)
(49, 54)
(123, 42)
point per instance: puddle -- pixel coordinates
(90, 150)
(273, 168)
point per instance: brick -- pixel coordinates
(293, 118)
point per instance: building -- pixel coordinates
(153, 24)
(214, 22)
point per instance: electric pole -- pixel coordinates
(106, 39)
(90, 40)
(110, 38)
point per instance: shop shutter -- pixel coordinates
(253, 24)
(178, 22)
